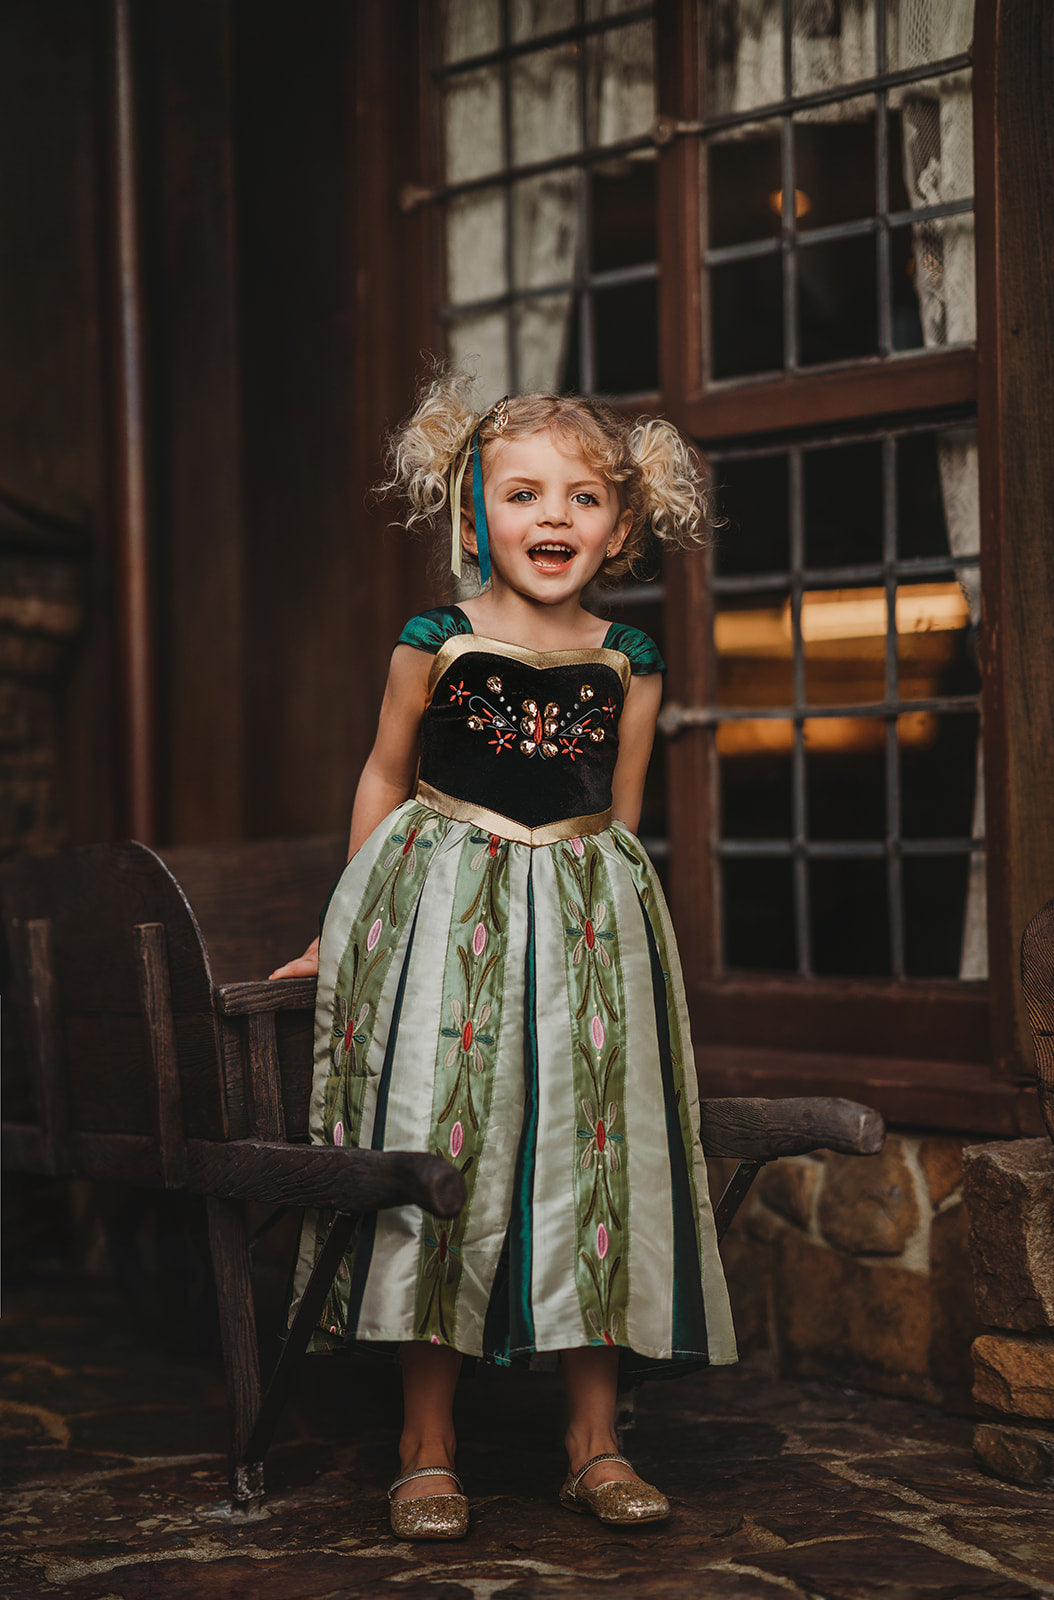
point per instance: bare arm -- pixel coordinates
(388, 776)
(636, 735)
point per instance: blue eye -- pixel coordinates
(523, 495)
(586, 498)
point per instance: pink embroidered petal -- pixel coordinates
(338, 1133)
(373, 935)
(596, 1028)
(479, 939)
(602, 1241)
(578, 847)
(457, 1139)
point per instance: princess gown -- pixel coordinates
(498, 983)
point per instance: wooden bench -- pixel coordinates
(153, 1051)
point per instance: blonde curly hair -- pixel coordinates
(658, 477)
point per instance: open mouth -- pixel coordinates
(552, 556)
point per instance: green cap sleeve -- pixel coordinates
(641, 652)
(430, 629)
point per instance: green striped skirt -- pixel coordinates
(521, 1012)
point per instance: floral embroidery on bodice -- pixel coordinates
(531, 736)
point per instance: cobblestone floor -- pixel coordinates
(113, 1484)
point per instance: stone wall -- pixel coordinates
(855, 1268)
(1010, 1190)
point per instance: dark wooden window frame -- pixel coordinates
(930, 1053)
(927, 1052)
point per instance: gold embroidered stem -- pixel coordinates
(493, 822)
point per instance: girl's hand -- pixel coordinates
(305, 966)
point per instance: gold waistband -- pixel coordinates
(505, 827)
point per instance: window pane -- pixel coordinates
(744, 190)
(837, 301)
(620, 74)
(921, 528)
(905, 321)
(545, 228)
(545, 115)
(844, 644)
(622, 204)
(754, 766)
(845, 777)
(752, 499)
(475, 242)
(758, 915)
(935, 655)
(934, 909)
(834, 164)
(938, 774)
(746, 317)
(472, 125)
(843, 505)
(831, 44)
(479, 343)
(596, 9)
(541, 328)
(940, 268)
(470, 27)
(753, 656)
(743, 56)
(626, 324)
(849, 918)
(927, 31)
(529, 18)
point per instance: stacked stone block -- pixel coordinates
(856, 1269)
(1010, 1194)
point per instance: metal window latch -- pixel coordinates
(664, 130)
(674, 719)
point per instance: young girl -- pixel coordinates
(497, 976)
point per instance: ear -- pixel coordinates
(468, 534)
(619, 535)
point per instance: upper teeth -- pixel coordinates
(557, 549)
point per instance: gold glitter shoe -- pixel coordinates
(624, 1502)
(430, 1516)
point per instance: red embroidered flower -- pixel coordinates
(459, 693)
(603, 1143)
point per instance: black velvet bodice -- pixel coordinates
(531, 736)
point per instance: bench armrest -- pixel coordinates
(761, 1130)
(265, 994)
(348, 1180)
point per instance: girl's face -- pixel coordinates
(551, 517)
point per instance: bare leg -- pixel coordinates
(430, 1374)
(591, 1380)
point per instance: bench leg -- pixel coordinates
(735, 1193)
(295, 1343)
(229, 1246)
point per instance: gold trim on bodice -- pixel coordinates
(505, 828)
(460, 644)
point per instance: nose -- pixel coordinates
(553, 510)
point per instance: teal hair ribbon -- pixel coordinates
(482, 541)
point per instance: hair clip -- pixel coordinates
(501, 414)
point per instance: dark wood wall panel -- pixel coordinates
(1016, 369)
(186, 104)
(324, 124)
(51, 415)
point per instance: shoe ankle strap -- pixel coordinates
(428, 1472)
(608, 1455)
